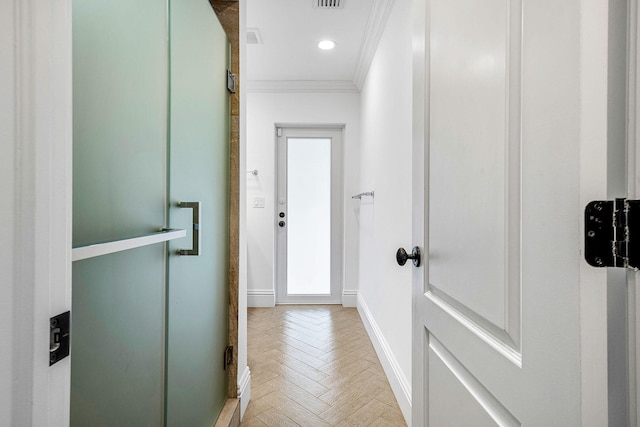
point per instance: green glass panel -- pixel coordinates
(199, 172)
(120, 83)
(117, 356)
(119, 118)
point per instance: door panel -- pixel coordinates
(149, 334)
(117, 371)
(309, 235)
(497, 148)
(308, 220)
(460, 396)
(199, 171)
(474, 156)
(119, 119)
(119, 190)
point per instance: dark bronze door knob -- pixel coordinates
(402, 256)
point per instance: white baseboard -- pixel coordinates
(400, 385)
(244, 390)
(261, 298)
(349, 298)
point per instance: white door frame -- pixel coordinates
(35, 169)
(336, 133)
(593, 186)
(633, 159)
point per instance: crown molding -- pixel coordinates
(380, 12)
(301, 86)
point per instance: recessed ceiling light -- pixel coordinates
(326, 44)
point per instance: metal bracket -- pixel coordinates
(59, 337)
(231, 82)
(610, 231)
(228, 356)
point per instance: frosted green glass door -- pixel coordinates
(151, 128)
(119, 191)
(199, 172)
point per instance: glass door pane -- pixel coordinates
(119, 191)
(309, 216)
(199, 172)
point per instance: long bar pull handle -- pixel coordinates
(195, 249)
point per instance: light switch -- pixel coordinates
(258, 202)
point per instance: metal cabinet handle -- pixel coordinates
(195, 249)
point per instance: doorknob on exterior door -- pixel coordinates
(402, 256)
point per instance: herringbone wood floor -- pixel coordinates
(315, 366)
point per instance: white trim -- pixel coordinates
(35, 186)
(633, 164)
(498, 343)
(593, 181)
(244, 390)
(399, 383)
(242, 239)
(349, 298)
(378, 16)
(301, 86)
(261, 298)
(492, 406)
(92, 251)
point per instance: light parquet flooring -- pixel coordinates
(315, 366)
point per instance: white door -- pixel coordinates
(308, 216)
(504, 97)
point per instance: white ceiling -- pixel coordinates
(290, 30)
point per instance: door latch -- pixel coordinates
(59, 337)
(612, 233)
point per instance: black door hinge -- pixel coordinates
(231, 82)
(612, 233)
(59, 337)
(228, 356)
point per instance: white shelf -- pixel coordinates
(98, 249)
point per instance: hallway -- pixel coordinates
(315, 366)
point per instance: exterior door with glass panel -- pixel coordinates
(308, 216)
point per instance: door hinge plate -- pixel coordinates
(231, 82)
(59, 337)
(228, 356)
(612, 231)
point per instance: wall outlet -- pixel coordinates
(258, 202)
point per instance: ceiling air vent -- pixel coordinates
(328, 4)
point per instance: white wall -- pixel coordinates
(264, 110)
(384, 292)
